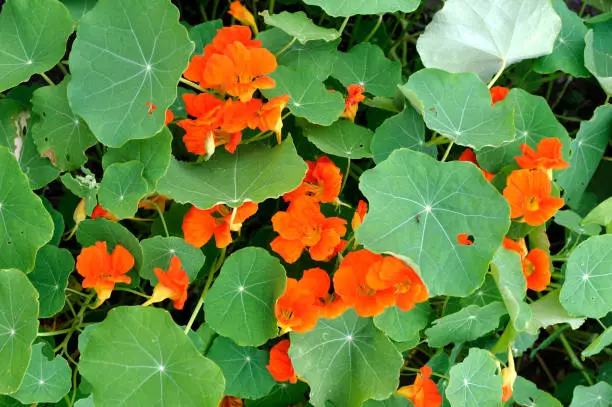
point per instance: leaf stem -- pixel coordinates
(53, 333)
(192, 84)
(498, 74)
(412, 369)
(286, 47)
(348, 170)
(376, 27)
(448, 149)
(161, 215)
(271, 6)
(62, 68)
(70, 290)
(574, 359)
(47, 79)
(343, 26)
(560, 96)
(129, 290)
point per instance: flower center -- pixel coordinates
(365, 290)
(533, 204)
(528, 268)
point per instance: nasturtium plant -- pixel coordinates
(347, 203)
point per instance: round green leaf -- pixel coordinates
(599, 343)
(78, 8)
(469, 324)
(343, 139)
(395, 400)
(46, 380)
(203, 34)
(598, 395)
(25, 224)
(281, 395)
(588, 280)
(486, 294)
(308, 96)
(480, 37)
(251, 174)
(366, 65)
(240, 304)
(601, 214)
(475, 382)
(60, 134)
(299, 26)
(464, 115)
(86, 402)
(598, 53)
(18, 327)
(526, 393)
(58, 222)
(346, 361)
(34, 34)
(418, 206)
(402, 326)
(154, 154)
(50, 277)
(346, 8)
(547, 311)
(122, 188)
(244, 368)
(404, 130)
(127, 54)
(572, 221)
(138, 356)
(159, 250)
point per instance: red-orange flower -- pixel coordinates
(100, 212)
(547, 157)
(304, 226)
(529, 194)
(199, 225)
(464, 239)
(468, 155)
(101, 270)
(231, 401)
(322, 182)
(359, 215)
(172, 284)
(269, 116)
(240, 13)
(536, 268)
(351, 103)
(169, 117)
(280, 366)
(517, 246)
(498, 93)
(424, 392)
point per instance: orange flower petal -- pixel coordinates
(536, 268)
(498, 93)
(280, 366)
(198, 226)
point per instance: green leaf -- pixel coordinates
(244, 367)
(346, 8)
(547, 311)
(83, 186)
(587, 149)
(39, 169)
(486, 294)
(60, 134)
(18, 327)
(458, 106)
(568, 52)
(526, 393)
(475, 382)
(588, 280)
(346, 361)
(404, 326)
(138, 356)
(599, 343)
(34, 34)
(203, 34)
(58, 222)
(603, 5)
(404, 130)
(394, 401)
(125, 55)
(598, 395)
(469, 324)
(122, 188)
(534, 121)
(282, 395)
(308, 96)
(46, 380)
(572, 221)
(50, 277)
(366, 65)
(601, 214)
(86, 402)
(103, 230)
(299, 26)
(343, 139)
(25, 224)
(598, 53)
(482, 37)
(508, 274)
(159, 250)
(78, 8)
(418, 206)
(251, 174)
(240, 304)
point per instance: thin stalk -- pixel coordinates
(192, 84)
(574, 359)
(412, 369)
(286, 47)
(70, 290)
(348, 170)
(62, 68)
(53, 333)
(448, 149)
(549, 375)
(161, 216)
(565, 85)
(129, 290)
(376, 27)
(498, 74)
(568, 119)
(343, 26)
(47, 79)
(271, 7)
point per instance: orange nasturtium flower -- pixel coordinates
(322, 182)
(231, 401)
(529, 194)
(102, 270)
(351, 103)
(359, 215)
(468, 155)
(303, 226)
(424, 392)
(269, 117)
(169, 117)
(547, 157)
(100, 212)
(536, 268)
(280, 366)
(172, 284)
(498, 93)
(517, 246)
(240, 13)
(199, 225)
(508, 378)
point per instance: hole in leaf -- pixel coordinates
(465, 239)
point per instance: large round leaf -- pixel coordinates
(418, 206)
(281, 395)
(18, 327)
(343, 139)
(598, 53)
(122, 188)
(475, 382)
(25, 224)
(34, 34)
(139, 357)
(251, 174)
(588, 280)
(346, 361)
(159, 250)
(127, 54)
(50, 277)
(240, 304)
(299, 26)
(526, 393)
(404, 326)
(598, 395)
(479, 36)
(345, 8)
(458, 106)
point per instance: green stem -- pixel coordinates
(565, 85)
(412, 369)
(161, 216)
(192, 84)
(343, 26)
(568, 119)
(214, 10)
(348, 170)
(271, 7)
(448, 149)
(129, 290)
(70, 290)
(62, 68)
(376, 27)
(574, 359)
(47, 79)
(286, 47)
(498, 74)
(53, 333)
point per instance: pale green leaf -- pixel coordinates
(600, 343)
(343, 139)
(526, 393)
(395, 400)
(404, 326)
(601, 214)
(122, 188)
(598, 395)
(78, 8)
(572, 221)
(346, 361)
(159, 250)
(345, 8)
(50, 277)
(598, 53)
(299, 26)
(547, 311)
(475, 382)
